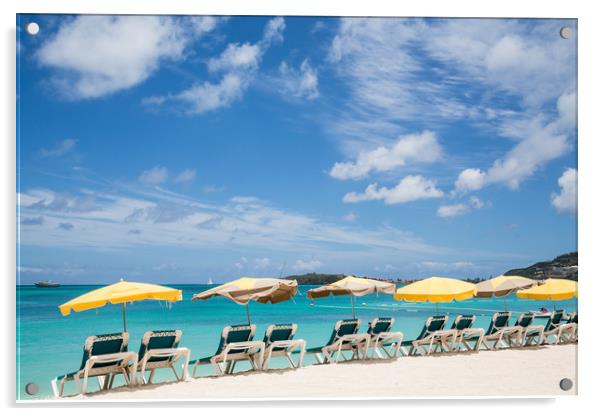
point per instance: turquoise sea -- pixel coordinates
(49, 344)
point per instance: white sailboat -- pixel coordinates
(210, 281)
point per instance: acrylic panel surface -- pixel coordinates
(188, 151)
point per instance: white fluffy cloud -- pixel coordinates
(154, 176)
(99, 55)
(350, 217)
(60, 149)
(410, 188)
(566, 200)
(454, 210)
(186, 175)
(298, 83)
(306, 265)
(422, 147)
(237, 66)
(539, 142)
(388, 66)
(236, 56)
(470, 180)
(262, 263)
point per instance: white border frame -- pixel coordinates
(589, 147)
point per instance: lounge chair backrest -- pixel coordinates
(554, 320)
(235, 333)
(159, 339)
(380, 325)
(104, 344)
(463, 322)
(432, 324)
(279, 332)
(524, 319)
(498, 320)
(344, 327)
(573, 318)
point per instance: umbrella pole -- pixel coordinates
(248, 316)
(123, 313)
(505, 305)
(353, 306)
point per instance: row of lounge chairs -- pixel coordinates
(106, 356)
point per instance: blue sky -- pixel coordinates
(178, 149)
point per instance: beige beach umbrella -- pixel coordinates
(352, 286)
(502, 286)
(435, 290)
(245, 289)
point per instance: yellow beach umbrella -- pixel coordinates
(503, 286)
(120, 293)
(551, 289)
(436, 289)
(245, 289)
(353, 286)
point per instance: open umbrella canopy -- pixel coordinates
(120, 292)
(551, 289)
(503, 285)
(436, 289)
(262, 290)
(355, 286)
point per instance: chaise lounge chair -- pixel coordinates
(567, 332)
(279, 341)
(432, 336)
(465, 333)
(381, 339)
(499, 333)
(552, 327)
(344, 337)
(159, 349)
(104, 357)
(236, 344)
(530, 334)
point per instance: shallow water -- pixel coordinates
(49, 344)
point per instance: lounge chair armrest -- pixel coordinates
(165, 352)
(245, 345)
(354, 338)
(289, 344)
(107, 358)
(471, 332)
(387, 336)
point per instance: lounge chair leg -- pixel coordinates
(175, 373)
(62, 389)
(150, 378)
(55, 390)
(290, 359)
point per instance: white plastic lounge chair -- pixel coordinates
(104, 357)
(381, 339)
(279, 341)
(530, 334)
(159, 349)
(344, 337)
(500, 334)
(552, 327)
(431, 337)
(465, 333)
(567, 332)
(236, 344)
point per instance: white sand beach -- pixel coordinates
(533, 371)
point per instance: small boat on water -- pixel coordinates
(542, 313)
(210, 281)
(47, 283)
